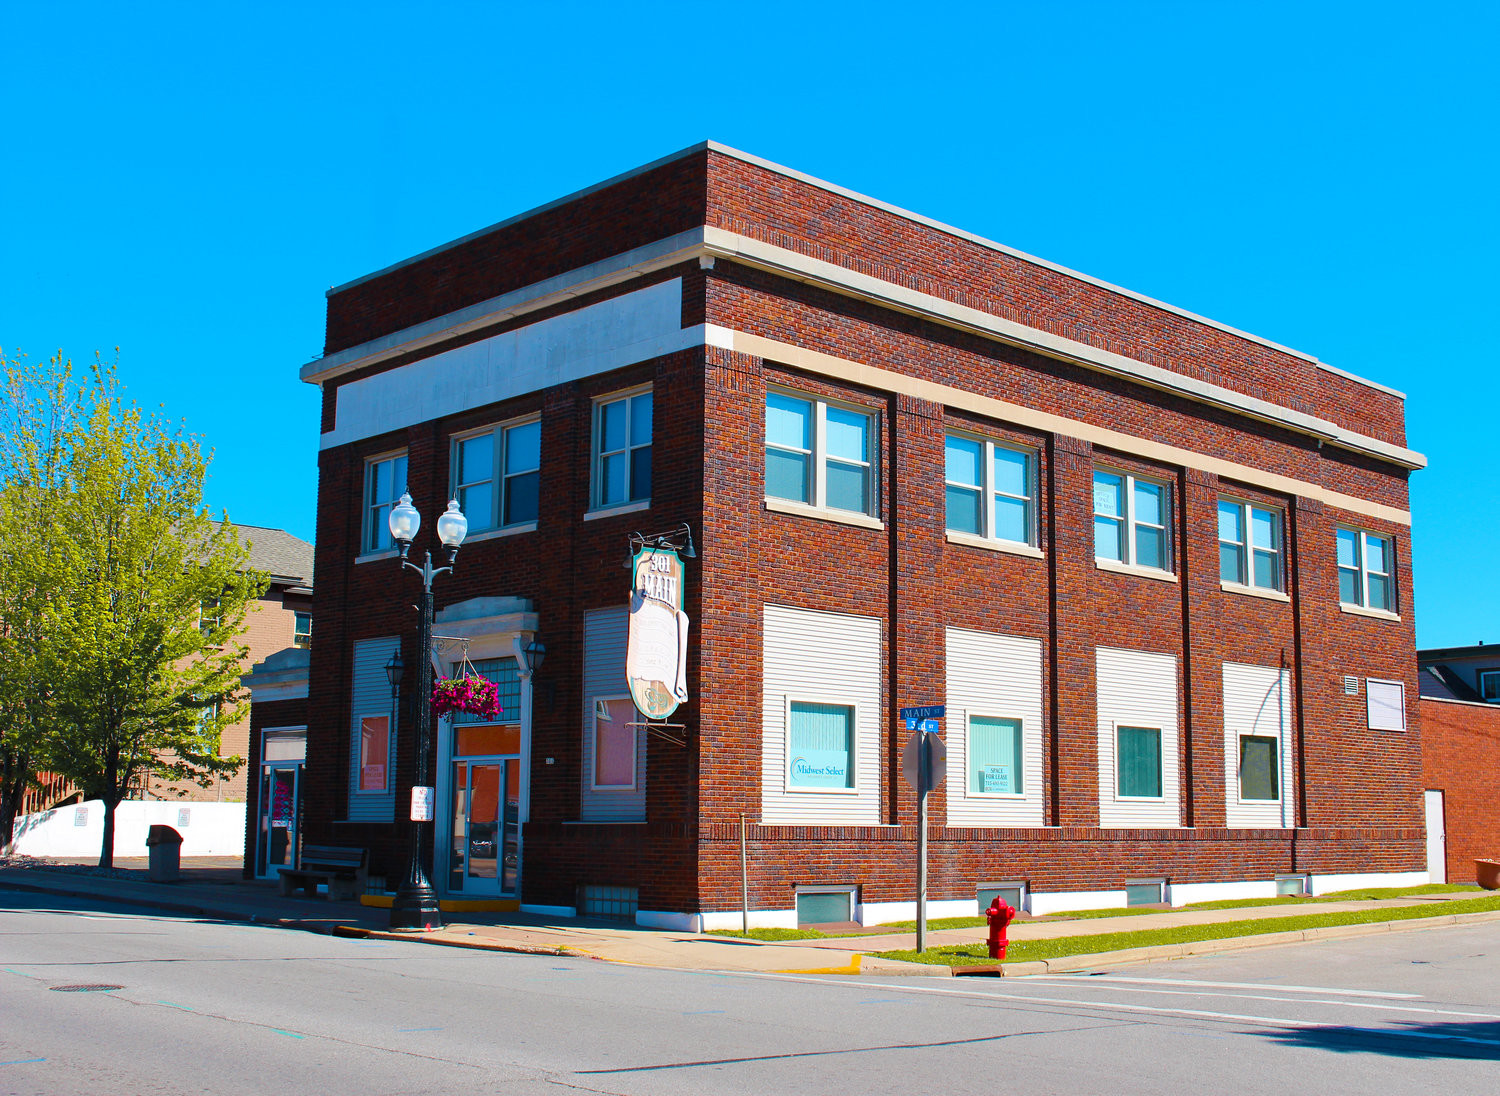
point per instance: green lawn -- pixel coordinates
(1024, 950)
(936, 924)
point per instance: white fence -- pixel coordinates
(77, 830)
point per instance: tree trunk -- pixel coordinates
(13, 773)
(107, 847)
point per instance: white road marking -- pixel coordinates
(1039, 978)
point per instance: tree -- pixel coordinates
(39, 407)
(138, 679)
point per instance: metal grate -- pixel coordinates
(615, 903)
(91, 987)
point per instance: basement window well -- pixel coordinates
(824, 905)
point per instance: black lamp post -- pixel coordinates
(416, 904)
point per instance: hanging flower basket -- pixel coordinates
(471, 694)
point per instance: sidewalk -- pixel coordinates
(214, 889)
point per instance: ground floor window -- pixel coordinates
(1259, 776)
(1138, 761)
(821, 742)
(995, 756)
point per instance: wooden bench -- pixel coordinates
(343, 869)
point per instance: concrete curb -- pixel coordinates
(1073, 964)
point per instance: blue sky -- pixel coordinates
(184, 182)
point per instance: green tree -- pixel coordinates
(39, 409)
(139, 680)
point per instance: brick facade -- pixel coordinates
(1460, 755)
(930, 331)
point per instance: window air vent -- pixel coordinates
(1351, 685)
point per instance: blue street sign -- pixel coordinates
(911, 724)
(925, 711)
(930, 725)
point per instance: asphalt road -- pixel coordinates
(207, 1007)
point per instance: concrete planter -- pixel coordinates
(1487, 874)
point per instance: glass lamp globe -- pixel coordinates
(452, 526)
(404, 520)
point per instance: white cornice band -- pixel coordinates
(709, 242)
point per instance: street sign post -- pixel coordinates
(924, 762)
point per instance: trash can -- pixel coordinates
(164, 854)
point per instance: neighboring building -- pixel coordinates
(1157, 569)
(281, 617)
(1460, 712)
(274, 762)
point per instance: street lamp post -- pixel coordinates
(416, 906)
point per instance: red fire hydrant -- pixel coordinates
(1000, 915)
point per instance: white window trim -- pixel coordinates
(1363, 606)
(1247, 582)
(1479, 677)
(816, 506)
(390, 752)
(596, 454)
(1023, 903)
(814, 888)
(1239, 774)
(1160, 881)
(635, 748)
(988, 491)
(497, 472)
(1161, 755)
(786, 767)
(1400, 687)
(1134, 569)
(1010, 547)
(1128, 480)
(367, 505)
(969, 791)
(843, 517)
(1254, 591)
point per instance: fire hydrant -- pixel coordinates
(1000, 916)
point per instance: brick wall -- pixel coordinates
(1460, 756)
(1358, 792)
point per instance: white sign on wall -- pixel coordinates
(656, 649)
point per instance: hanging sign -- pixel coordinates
(656, 650)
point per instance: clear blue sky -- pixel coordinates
(184, 182)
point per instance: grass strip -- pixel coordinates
(1059, 947)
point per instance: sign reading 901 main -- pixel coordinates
(656, 651)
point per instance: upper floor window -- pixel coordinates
(1366, 570)
(301, 629)
(990, 490)
(497, 475)
(208, 615)
(1489, 684)
(820, 454)
(622, 449)
(385, 482)
(1249, 545)
(1130, 520)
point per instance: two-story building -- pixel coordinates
(1156, 569)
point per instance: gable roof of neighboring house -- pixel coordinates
(285, 558)
(1441, 683)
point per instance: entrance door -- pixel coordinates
(280, 810)
(485, 858)
(1437, 839)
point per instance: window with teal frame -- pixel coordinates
(1138, 762)
(820, 742)
(995, 756)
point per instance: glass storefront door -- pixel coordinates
(280, 802)
(485, 857)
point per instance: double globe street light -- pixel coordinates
(416, 905)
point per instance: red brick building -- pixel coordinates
(1460, 714)
(1157, 569)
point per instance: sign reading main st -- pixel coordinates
(656, 650)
